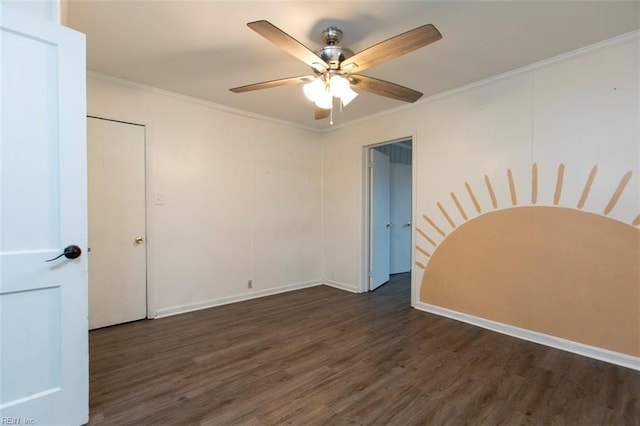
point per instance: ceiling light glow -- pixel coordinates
(322, 91)
(313, 90)
(324, 100)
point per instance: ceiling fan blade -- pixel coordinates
(392, 48)
(289, 44)
(321, 113)
(384, 88)
(273, 83)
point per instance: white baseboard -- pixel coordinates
(181, 309)
(533, 336)
(341, 286)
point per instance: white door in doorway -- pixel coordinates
(380, 219)
(117, 222)
(43, 305)
(401, 218)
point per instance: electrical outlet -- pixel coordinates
(250, 284)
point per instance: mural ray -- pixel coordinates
(423, 251)
(492, 194)
(587, 186)
(446, 215)
(512, 188)
(459, 206)
(559, 180)
(616, 195)
(425, 236)
(473, 197)
(430, 222)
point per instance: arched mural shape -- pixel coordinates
(552, 269)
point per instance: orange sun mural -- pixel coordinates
(556, 270)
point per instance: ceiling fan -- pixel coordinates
(334, 66)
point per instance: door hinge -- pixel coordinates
(371, 164)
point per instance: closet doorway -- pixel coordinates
(117, 222)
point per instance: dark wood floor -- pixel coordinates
(325, 356)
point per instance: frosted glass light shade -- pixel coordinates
(314, 89)
(339, 85)
(348, 96)
(324, 100)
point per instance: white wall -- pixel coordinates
(489, 125)
(252, 199)
(241, 198)
(579, 110)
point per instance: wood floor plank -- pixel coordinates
(323, 356)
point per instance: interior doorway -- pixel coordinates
(388, 220)
(117, 222)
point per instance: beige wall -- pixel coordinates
(241, 198)
(545, 267)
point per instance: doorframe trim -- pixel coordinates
(365, 279)
(148, 132)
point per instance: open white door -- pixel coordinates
(380, 219)
(401, 218)
(43, 305)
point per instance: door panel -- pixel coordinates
(43, 305)
(117, 263)
(401, 218)
(380, 219)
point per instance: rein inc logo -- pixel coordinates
(17, 421)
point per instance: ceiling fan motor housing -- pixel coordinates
(333, 54)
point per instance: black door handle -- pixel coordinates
(70, 252)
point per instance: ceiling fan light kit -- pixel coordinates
(333, 66)
(321, 90)
(324, 100)
(313, 90)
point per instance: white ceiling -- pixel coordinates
(203, 48)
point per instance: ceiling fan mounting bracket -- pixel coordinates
(331, 35)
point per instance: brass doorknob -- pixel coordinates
(139, 240)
